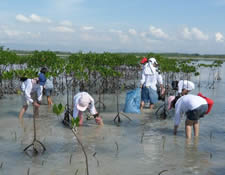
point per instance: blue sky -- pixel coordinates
(184, 26)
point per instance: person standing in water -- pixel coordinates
(48, 89)
(29, 88)
(150, 78)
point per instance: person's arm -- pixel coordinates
(160, 82)
(92, 108)
(142, 79)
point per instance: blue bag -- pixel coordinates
(133, 100)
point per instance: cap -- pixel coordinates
(144, 60)
(185, 84)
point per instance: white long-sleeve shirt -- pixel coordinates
(187, 103)
(76, 100)
(150, 77)
(27, 88)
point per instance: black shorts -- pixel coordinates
(197, 113)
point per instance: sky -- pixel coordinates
(182, 26)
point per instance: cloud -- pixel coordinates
(94, 38)
(32, 18)
(219, 37)
(122, 36)
(132, 31)
(66, 23)
(194, 33)
(157, 32)
(16, 34)
(186, 33)
(62, 29)
(199, 34)
(87, 28)
(22, 18)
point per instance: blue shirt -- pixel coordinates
(42, 79)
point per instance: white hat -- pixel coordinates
(185, 84)
(83, 102)
(153, 60)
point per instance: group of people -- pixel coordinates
(32, 92)
(193, 106)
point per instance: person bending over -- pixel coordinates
(82, 102)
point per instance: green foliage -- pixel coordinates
(75, 122)
(58, 109)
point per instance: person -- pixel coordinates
(29, 89)
(194, 106)
(144, 62)
(185, 86)
(149, 80)
(42, 80)
(48, 89)
(82, 102)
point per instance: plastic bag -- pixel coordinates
(133, 100)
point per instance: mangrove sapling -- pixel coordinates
(73, 126)
(76, 172)
(35, 141)
(28, 171)
(71, 155)
(161, 172)
(1, 165)
(117, 104)
(94, 155)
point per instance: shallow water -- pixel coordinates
(143, 146)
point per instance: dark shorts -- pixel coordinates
(197, 113)
(48, 92)
(148, 95)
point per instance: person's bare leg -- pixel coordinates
(142, 104)
(22, 111)
(188, 128)
(196, 129)
(49, 100)
(151, 106)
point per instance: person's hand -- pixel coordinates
(99, 120)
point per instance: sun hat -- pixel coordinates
(185, 84)
(144, 60)
(153, 60)
(170, 99)
(83, 102)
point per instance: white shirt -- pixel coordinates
(76, 100)
(27, 88)
(150, 77)
(186, 103)
(49, 83)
